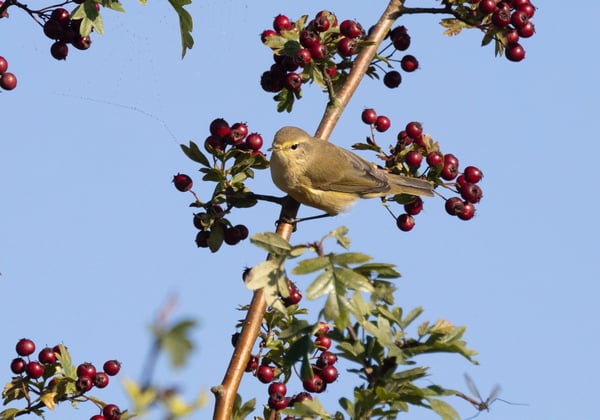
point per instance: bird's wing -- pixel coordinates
(353, 175)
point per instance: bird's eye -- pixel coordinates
(294, 146)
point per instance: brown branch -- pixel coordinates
(226, 392)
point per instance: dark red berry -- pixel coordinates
(202, 239)
(34, 370)
(301, 397)
(434, 159)
(61, 15)
(282, 23)
(86, 369)
(237, 133)
(314, 384)
(471, 192)
(414, 129)
(318, 51)
(84, 383)
(414, 207)
(278, 402)
(392, 79)
(265, 374)
(351, 28)
(277, 388)
(254, 141)
(111, 412)
(53, 29)
(295, 296)
(232, 236)
(25, 347)
(293, 81)
(409, 63)
(243, 231)
(501, 18)
(413, 159)
(405, 222)
(368, 116)
(321, 22)
(3, 65)
(219, 127)
(467, 212)
(473, 174)
(382, 123)
(309, 38)
(487, 6)
(47, 356)
(183, 182)
(82, 42)
(112, 367)
(97, 417)
(527, 8)
(347, 47)
(326, 358)
(450, 169)
(329, 374)
(271, 81)
(252, 364)
(100, 379)
(323, 342)
(266, 34)
(18, 365)
(302, 57)
(515, 52)
(512, 37)
(322, 329)
(400, 38)
(454, 206)
(526, 30)
(59, 50)
(519, 18)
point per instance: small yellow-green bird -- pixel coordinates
(322, 175)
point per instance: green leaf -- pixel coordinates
(113, 5)
(272, 243)
(9, 414)
(186, 24)
(216, 237)
(411, 317)
(241, 411)
(352, 280)
(194, 153)
(299, 349)
(444, 409)
(349, 258)
(212, 174)
(309, 409)
(177, 343)
(321, 285)
(311, 265)
(383, 271)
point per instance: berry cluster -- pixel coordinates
(507, 21)
(400, 40)
(323, 372)
(51, 364)
(224, 142)
(63, 30)
(8, 81)
(413, 148)
(321, 48)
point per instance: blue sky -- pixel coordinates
(94, 238)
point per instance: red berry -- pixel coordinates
(25, 347)
(318, 51)
(219, 127)
(86, 369)
(97, 417)
(61, 15)
(3, 65)
(34, 370)
(301, 397)
(321, 22)
(405, 222)
(309, 38)
(400, 38)
(266, 34)
(519, 18)
(252, 364)
(450, 169)
(515, 52)
(382, 123)
(414, 129)
(278, 402)
(413, 159)
(512, 37)
(111, 412)
(202, 239)
(409, 63)
(112, 367)
(454, 206)
(471, 192)
(527, 30)
(314, 384)
(282, 23)
(368, 116)
(326, 358)
(82, 42)
(501, 18)
(467, 212)
(323, 328)
(302, 57)
(527, 8)
(487, 6)
(277, 388)
(473, 174)
(265, 374)
(84, 383)
(100, 379)
(183, 182)
(53, 29)
(47, 356)
(231, 236)
(392, 79)
(59, 50)
(347, 47)
(18, 365)
(414, 207)
(329, 374)
(243, 231)
(434, 159)
(323, 342)
(520, 3)
(293, 82)
(254, 141)
(237, 133)
(294, 298)
(351, 28)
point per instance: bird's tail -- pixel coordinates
(405, 185)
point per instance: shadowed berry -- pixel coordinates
(25, 347)
(112, 367)
(405, 222)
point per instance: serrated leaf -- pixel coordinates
(194, 153)
(311, 265)
(352, 280)
(323, 284)
(347, 258)
(272, 243)
(186, 24)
